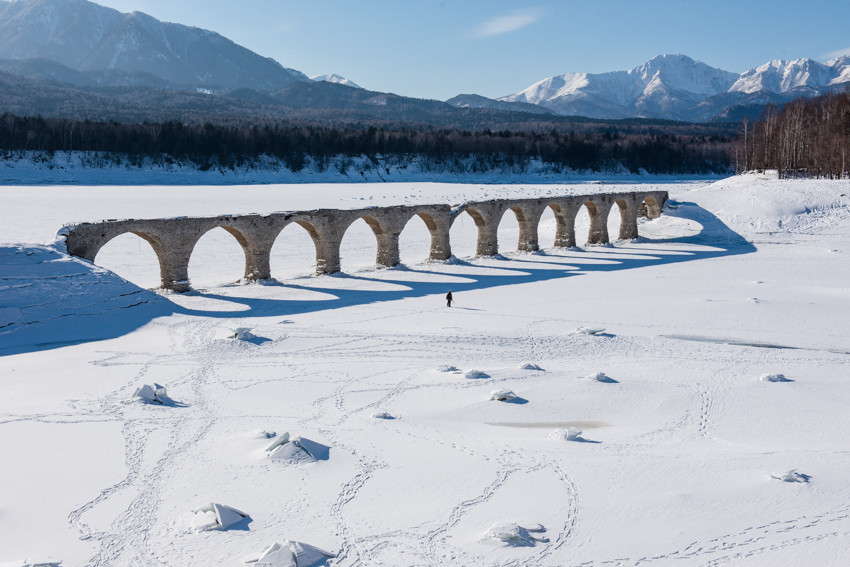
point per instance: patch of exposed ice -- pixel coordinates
(447, 368)
(529, 366)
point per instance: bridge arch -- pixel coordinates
(359, 246)
(125, 255)
(219, 256)
(293, 250)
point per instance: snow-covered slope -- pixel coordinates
(678, 87)
(88, 37)
(684, 456)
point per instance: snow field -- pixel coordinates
(679, 454)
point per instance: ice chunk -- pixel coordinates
(792, 476)
(590, 330)
(297, 449)
(275, 555)
(568, 434)
(529, 366)
(600, 377)
(307, 555)
(472, 373)
(383, 415)
(502, 395)
(514, 534)
(243, 334)
(282, 440)
(152, 394)
(145, 392)
(215, 516)
(289, 554)
(773, 378)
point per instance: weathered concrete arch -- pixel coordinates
(174, 239)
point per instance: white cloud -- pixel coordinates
(506, 24)
(836, 53)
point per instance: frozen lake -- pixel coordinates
(681, 453)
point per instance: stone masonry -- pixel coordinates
(174, 239)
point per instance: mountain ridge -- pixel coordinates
(680, 88)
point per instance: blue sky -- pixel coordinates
(440, 48)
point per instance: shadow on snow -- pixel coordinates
(36, 322)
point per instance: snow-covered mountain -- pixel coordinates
(84, 36)
(780, 76)
(680, 88)
(336, 79)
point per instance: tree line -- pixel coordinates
(209, 145)
(806, 138)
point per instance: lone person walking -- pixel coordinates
(449, 299)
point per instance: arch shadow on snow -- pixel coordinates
(43, 313)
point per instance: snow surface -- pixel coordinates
(678, 461)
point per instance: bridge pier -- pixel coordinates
(528, 218)
(598, 207)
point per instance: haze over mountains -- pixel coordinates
(57, 44)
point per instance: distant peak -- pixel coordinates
(337, 79)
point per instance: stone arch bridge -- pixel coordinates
(174, 239)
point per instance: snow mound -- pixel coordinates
(289, 554)
(791, 476)
(215, 516)
(515, 534)
(383, 415)
(472, 373)
(151, 394)
(568, 434)
(529, 366)
(600, 377)
(447, 368)
(774, 378)
(502, 395)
